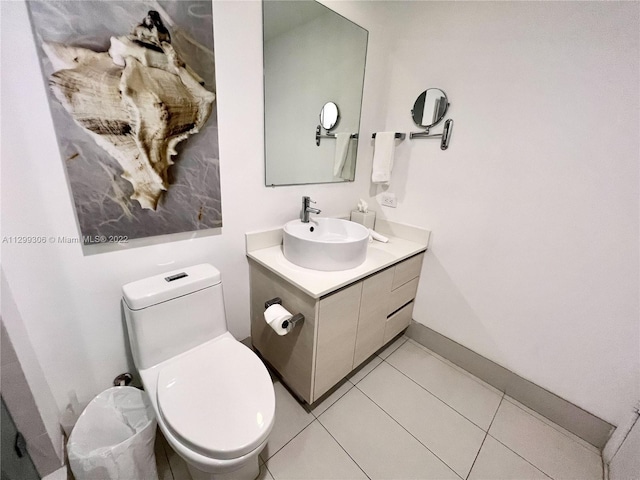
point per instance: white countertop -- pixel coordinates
(261, 248)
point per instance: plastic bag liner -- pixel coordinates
(114, 438)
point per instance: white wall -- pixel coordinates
(625, 464)
(69, 302)
(534, 207)
(36, 386)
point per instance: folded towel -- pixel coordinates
(384, 148)
(373, 235)
(342, 147)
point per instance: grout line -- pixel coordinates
(438, 398)
(485, 437)
(406, 339)
(477, 455)
(495, 414)
(289, 441)
(402, 426)
(267, 468)
(344, 449)
(348, 390)
(506, 446)
(523, 458)
(381, 361)
(165, 444)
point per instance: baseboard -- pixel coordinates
(247, 342)
(585, 425)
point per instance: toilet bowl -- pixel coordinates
(213, 397)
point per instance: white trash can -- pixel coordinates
(114, 438)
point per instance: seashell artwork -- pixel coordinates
(138, 101)
(136, 97)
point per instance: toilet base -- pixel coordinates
(248, 471)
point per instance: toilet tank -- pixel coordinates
(171, 313)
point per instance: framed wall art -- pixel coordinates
(132, 93)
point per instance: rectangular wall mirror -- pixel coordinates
(313, 58)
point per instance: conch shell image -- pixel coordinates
(137, 101)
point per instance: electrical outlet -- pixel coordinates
(389, 200)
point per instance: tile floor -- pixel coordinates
(410, 414)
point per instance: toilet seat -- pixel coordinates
(217, 399)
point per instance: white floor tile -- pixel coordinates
(393, 346)
(457, 368)
(60, 474)
(264, 473)
(552, 452)
(451, 437)
(319, 407)
(365, 369)
(461, 392)
(290, 419)
(313, 454)
(381, 447)
(565, 432)
(497, 462)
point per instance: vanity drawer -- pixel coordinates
(398, 322)
(402, 295)
(407, 270)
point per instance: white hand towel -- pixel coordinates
(342, 147)
(373, 235)
(384, 149)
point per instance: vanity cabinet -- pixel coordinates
(341, 329)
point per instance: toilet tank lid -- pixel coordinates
(167, 286)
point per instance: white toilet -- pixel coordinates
(212, 396)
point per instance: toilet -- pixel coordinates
(213, 397)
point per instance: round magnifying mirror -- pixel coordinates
(329, 115)
(430, 107)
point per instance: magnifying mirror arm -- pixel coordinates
(445, 135)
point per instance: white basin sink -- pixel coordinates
(327, 244)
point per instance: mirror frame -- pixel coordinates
(425, 93)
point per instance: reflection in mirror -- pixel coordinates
(311, 54)
(430, 107)
(329, 116)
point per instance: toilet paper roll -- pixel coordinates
(277, 317)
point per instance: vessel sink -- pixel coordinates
(327, 244)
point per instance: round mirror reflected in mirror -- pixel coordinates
(430, 107)
(329, 115)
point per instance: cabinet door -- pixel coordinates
(373, 314)
(292, 354)
(337, 326)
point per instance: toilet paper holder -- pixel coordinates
(297, 318)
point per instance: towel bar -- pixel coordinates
(328, 135)
(401, 136)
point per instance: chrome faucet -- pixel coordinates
(306, 209)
